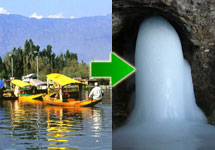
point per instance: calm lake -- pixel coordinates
(35, 126)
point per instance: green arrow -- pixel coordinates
(118, 69)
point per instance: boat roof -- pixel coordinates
(37, 82)
(62, 79)
(20, 83)
(1, 84)
(30, 75)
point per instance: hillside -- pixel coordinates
(89, 37)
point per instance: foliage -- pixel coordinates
(25, 62)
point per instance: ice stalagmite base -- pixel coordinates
(165, 115)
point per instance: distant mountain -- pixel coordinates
(89, 37)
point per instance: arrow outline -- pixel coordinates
(110, 61)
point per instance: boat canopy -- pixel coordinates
(20, 83)
(37, 82)
(61, 79)
(1, 84)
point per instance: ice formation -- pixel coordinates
(165, 115)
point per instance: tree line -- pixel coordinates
(25, 62)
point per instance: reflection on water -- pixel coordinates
(34, 126)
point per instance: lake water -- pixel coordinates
(35, 126)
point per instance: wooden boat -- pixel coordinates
(71, 102)
(26, 101)
(26, 91)
(63, 97)
(32, 97)
(6, 94)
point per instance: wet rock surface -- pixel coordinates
(193, 20)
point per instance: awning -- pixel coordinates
(61, 79)
(1, 84)
(20, 83)
(37, 82)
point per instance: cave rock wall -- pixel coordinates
(194, 20)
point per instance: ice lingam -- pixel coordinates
(165, 114)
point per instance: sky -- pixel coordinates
(56, 8)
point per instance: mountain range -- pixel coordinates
(89, 37)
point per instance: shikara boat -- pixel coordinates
(6, 94)
(26, 91)
(66, 94)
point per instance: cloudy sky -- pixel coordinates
(56, 8)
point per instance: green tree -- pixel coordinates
(8, 64)
(25, 62)
(26, 57)
(60, 63)
(43, 68)
(18, 62)
(1, 64)
(2, 69)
